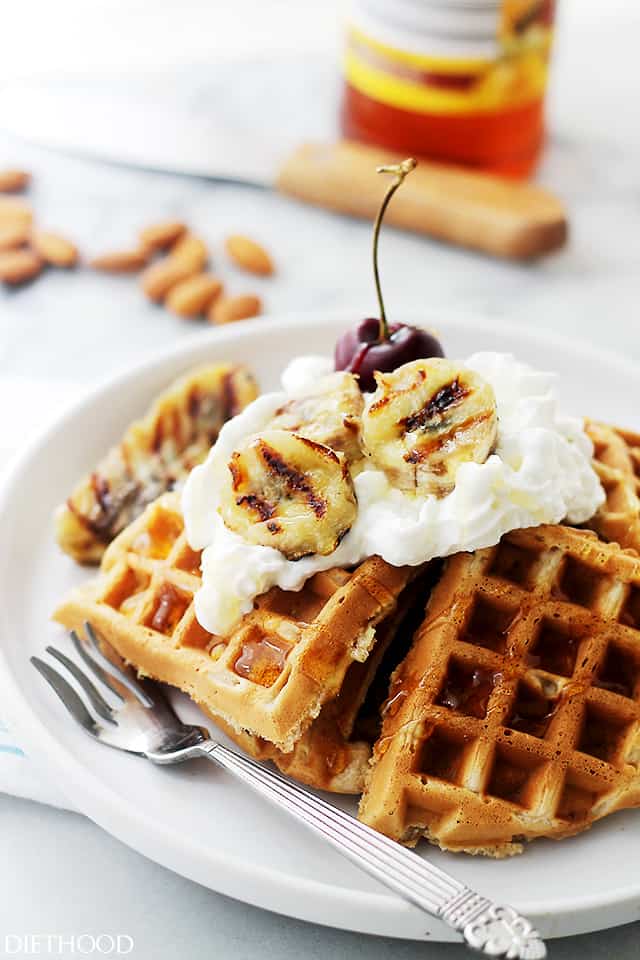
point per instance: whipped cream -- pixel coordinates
(540, 472)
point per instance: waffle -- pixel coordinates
(617, 462)
(155, 455)
(333, 753)
(274, 672)
(517, 711)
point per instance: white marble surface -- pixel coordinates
(61, 874)
(93, 324)
(84, 326)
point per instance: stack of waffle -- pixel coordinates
(288, 682)
(513, 709)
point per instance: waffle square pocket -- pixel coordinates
(516, 713)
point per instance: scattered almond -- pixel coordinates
(192, 250)
(192, 297)
(17, 266)
(120, 261)
(158, 279)
(160, 236)
(249, 255)
(14, 211)
(230, 309)
(54, 248)
(12, 181)
(13, 235)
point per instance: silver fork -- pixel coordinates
(144, 723)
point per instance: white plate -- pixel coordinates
(196, 820)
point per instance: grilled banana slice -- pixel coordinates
(288, 492)
(425, 420)
(330, 414)
(155, 454)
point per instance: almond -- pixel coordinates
(230, 309)
(158, 279)
(249, 255)
(160, 236)
(191, 297)
(12, 181)
(120, 261)
(17, 266)
(13, 210)
(192, 250)
(54, 248)
(13, 235)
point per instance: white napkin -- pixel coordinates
(27, 399)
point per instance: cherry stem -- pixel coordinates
(400, 170)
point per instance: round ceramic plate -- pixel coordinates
(195, 819)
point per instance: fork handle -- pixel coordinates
(497, 931)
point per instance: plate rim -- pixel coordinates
(104, 806)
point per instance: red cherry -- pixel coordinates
(361, 351)
(352, 343)
(374, 345)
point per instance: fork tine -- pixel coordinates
(68, 695)
(96, 699)
(96, 669)
(106, 665)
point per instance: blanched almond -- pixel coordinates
(191, 297)
(159, 236)
(12, 181)
(13, 235)
(158, 279)
(249, 255)
(54, 248)
(192, 250)
(120, 261)
(14, 211)
(17, 266)
(230, 309)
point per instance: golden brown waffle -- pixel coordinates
(334, 752)
(517, 711)
(155, 455)
(617, 462)
(285, 660)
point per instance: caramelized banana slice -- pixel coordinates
(425, 420)
(155, 454)
(330, 413)
(288, 492)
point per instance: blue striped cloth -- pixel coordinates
(26, 398)
(7, 743)
(21, 777)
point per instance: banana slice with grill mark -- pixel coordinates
(330, 413)
(425, 420)
(288, 492)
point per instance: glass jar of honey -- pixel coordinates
(461, 81)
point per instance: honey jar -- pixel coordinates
(461, 81)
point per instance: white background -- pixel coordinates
(41, 35)
(57, 871)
